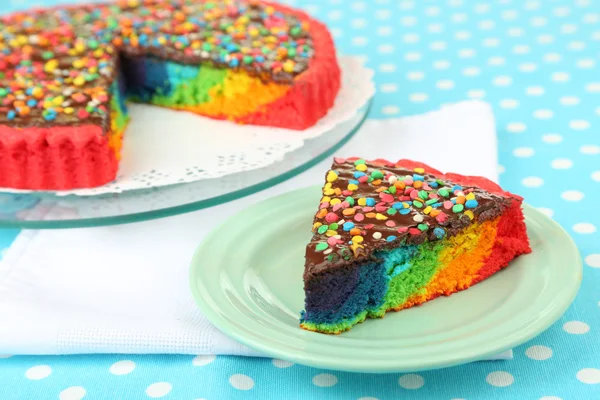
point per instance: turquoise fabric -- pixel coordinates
(536, 62)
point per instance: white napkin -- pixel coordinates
(124, 289)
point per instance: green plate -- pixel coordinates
(247, 279)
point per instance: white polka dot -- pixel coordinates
(589, 149)
(384, 31)
(282, 363)
(496, 60)
(515, 32)
(445, 84)
(576, 45)
(486, 24)
(579, 124)
(561, 163)
(72, 393)
(500, 379)
(432, 11)
(561, 77)
(324, 380)
(521, 49)
(412, 56)
(390, 110)
(509, 103)
(38, 372)
(593, 87)
(415, 75)
(585, 63)
(545, 39)
(569, 100)
(435, 28)
(538, 21)
(459, 17)
(528, 67)
(532, 181)
(471, 71)
(591, 376)
(455, 3)
(576, 327)
(590, 18)
(546, 211)
(360, 41)
(552, 138)
(596, 176)
(543, 114)
(516, 127)
(509, 15)
(462, 35)
(437, 46)
(202, 360)
(418, 97)
(241, 382)
(335, 15)
(501, 169)
(441, 64)
(388, 88)
(408, 20)
(523, 152)
(411, 381)
(5, 356)
(358, 23)
(123, 367)
(382, 14)
(476, 93)
(466, 53)
(481, 8)
(584, 227)
(411, 38)
(502, 80)
(596, 36)
(337, 32)
(385, 49)
(531, 5)
(561, 11)
(552, 57)
(158, 389)
(568, 28)
(358, 6)
(593, 260)
(538, 352)
(490, 42)
(387, 67)
(572, 195)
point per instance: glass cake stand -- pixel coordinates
(45, 210)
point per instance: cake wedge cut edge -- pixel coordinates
(389, 236)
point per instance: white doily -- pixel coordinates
(164, 147)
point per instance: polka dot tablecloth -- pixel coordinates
(536, 62)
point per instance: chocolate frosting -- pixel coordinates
(72, 54)
(391, 218)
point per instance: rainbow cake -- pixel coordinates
(65, 74)
(389, 236)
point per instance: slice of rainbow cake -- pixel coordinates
(389, 236)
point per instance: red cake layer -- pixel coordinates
(56, 158)
(313, 92)
(512, 239)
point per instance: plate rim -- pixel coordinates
(207, 305)
(362, 113)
